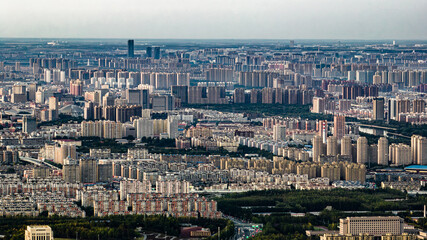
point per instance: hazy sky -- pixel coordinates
(267, 19)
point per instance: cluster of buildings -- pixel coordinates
(51, 104)
(37, 195)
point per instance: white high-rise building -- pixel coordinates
(279, 133)
(144, 127)
(419, 150)
(47, 76)
(172, 127)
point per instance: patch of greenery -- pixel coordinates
(96, 142)
(266, 110)
(111, 227)
(62, 118)
(273, 208)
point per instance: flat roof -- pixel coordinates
(416, 167)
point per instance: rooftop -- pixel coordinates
(416, 167)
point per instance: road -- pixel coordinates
(38, 162)
(244, 230)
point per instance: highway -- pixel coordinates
(244, 230)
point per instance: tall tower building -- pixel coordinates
(32, 89)
(422, 151)
(378, 110)
(88, 111)
(318, 105)
(339, 127)
(76, 87)
(172, 127)
(418, 106)
(331, 146)
(317, 148)
(279, 133)
(144, 127)
(362, 150)
(346, 146)
(383, 151)
(53, 108)
(29, 124)
(131, 51)
(149, 51)
(88, 170)
(419, 150)
(156, 52)
(53, 103)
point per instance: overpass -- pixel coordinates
(38, 162)
(376, 127)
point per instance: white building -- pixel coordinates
(38, 233)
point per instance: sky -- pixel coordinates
(214, 19)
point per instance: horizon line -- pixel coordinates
(265, 39)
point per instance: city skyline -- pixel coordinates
(238, 19)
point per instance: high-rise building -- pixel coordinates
(339, 127)
(317, 148)
(422, 151)
(400, 154)
(131, 50)
(180, 92)
(38, 232)
(172, 127)
(224, 75)
(138, 97)
(418, 106)
(53, 103)
(88, 170)
(362, 150)
(162, 102)
(318, 105)
(144, 127)
(419, 150)
(76, 87)
(156, 52)
(279, 133)
(47, 75)
(331, 146)
(346, 146)
(53, 108)
(378, 109)
(149, 52)
(19, 94)
(239, 95)
(383, 151)
(65, 151)
(29, 124)
(88, 111)
(32, 89)
(206, 95)
(377, 79)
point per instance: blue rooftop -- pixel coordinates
(416, 167)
